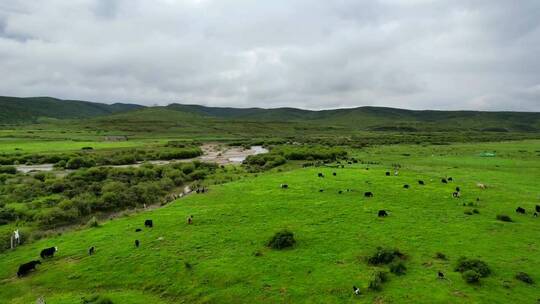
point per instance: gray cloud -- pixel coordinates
(419, 54)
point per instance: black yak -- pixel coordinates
(520, 210)
(387, 173)
(444, 181)
(368, 194)
(91, 250)
(27, 267)
(137, 243)
(406, 186)
(382, 213)
(284, 186)
(421, 182)
(48, 252)
(148, 223)
(321, 175)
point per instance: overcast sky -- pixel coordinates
(316, 54)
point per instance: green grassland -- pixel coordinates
(334, 232)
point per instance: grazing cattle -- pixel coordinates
(450, 179)
(321, 175)
(148, 223)
(537, 208)
(356, 290)
(321, 190)
(536, 214)
(457, 189)
(456, 194)
(387, 173)
(444, 181)
(350, 163)
(382, 213)
(91, 250)
(520, 210)
(25, 268)
(48, 252)
(339, 192)
(368, 194)
(396, 173)
(284, 186)
(137, 243)
(406, 186)
(421, 182)
(481, 186)
(441, 275)
(138, 230)
(334, 173)
(190, 220)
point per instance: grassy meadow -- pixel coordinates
(223, 258)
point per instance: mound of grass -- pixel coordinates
(524, 277)
(384, 256)
(464, 264)
(504, 218)
(281, 240)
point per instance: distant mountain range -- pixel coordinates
(25, 110)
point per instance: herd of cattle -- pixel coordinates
(49, 252)
(46, 253)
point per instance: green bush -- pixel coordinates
(282, 239)
(377, 280)
(8, 170)
(92, 223)
(504, 218)
(471, 276)
(478, 266)
(398, 268)
(522, 276)
(384, 256)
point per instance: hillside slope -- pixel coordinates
(380, 118)
(223, 258)
(24, 110)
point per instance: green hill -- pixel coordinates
(23, 110)
(380, 118)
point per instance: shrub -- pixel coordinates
(378, 279)
(504, 218)
(93, 222)
(384, 256)
(398, 268)
(478, 266)
(522, 276)
(8, 170)
(471, 276)
(282, 239)
(476, 211)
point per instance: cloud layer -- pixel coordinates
(419, 54)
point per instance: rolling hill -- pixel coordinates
(24, 110)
